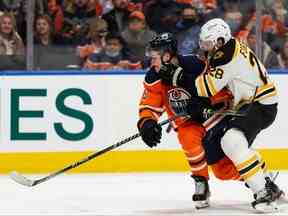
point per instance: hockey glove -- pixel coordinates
(170, 73)
(150, 131)
(200, 109)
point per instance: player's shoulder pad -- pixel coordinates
(192, 63)
(224, 55)
(151, 76)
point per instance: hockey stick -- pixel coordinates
(229, 112)
(20, 179)
(17, 177)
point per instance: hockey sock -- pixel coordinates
(235, 146)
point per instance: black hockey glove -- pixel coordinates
(151, 132)
(200, 109)
(170, 73)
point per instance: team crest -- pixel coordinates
(178, 99)
(177, 94)
(218, 55)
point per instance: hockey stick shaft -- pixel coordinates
(28, 182)
(84, 160)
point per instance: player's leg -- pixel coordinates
(236, 145)
(190, 137)
(224, 169)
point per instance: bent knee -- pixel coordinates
(225, 170)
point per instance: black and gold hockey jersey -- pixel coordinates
(236, 67)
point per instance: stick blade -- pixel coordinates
(20, 179)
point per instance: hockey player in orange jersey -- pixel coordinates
(159, 97)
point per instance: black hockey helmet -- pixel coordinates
(165, 42)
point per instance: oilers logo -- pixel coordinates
(178, 100)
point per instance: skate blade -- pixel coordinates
(201, 204)
(267, 208)
(282, 198)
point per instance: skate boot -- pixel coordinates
(270, 183)
(202, 192)
(276, 190)
(265, 199)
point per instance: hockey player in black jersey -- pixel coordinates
(232, 65)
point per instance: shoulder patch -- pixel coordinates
(224, 55)
(219, 54)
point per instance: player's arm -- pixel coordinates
(210, 86)
(220, 71)
(151, 107)
(213, 80)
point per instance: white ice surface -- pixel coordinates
(161, 194)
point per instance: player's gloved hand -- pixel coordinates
(169, 74)
(150, 131)
(200, 109)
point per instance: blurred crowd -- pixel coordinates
(113, 34)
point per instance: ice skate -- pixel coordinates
(202, 192)
(279, 194)
(274, 187)
(265, 199)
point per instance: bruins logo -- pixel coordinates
(218, 55)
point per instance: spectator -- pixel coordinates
(95, 40)
(56, 14)
(10, 41)
(163, 15)
(117, 18)
(17, 9)
(269, 57)
(280, 15)
(189, 26)
(11, 44)
(137, 35)
(233, 16)
(113, 56)
(43, 30)
(77, 14)
(268, 28)
(207, 9)
(284, 55)
(106, 6)
(48, 53)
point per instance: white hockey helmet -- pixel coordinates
(213, 30)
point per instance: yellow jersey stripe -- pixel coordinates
(251, 172)
(271, 94)
(201, 86)
(264, 88)
(211, 85)
(237, 48)
(265, 93)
